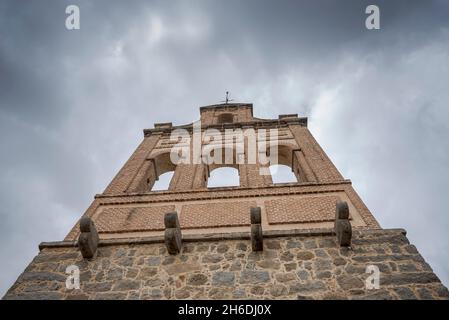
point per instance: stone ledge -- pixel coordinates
(256, 123)
(220, 189)
(222, 236)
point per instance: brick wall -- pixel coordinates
(298, 203)
(241, 113)
(308, 209)
(317, 159)
(291, 267)
(131, 168)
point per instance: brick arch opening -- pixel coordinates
(285, 162)
(163, 181)
(224, 176)
(284, 155)
(163, 168)
(223, 156)
(225, 167)
(281, 173)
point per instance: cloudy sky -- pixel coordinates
(73, 103)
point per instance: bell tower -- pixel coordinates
(311, 238)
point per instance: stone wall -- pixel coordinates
(292, 267)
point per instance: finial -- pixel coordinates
(227, 98)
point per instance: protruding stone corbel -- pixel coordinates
(88, 239)
(256, 229)
(173, 236)
(343, 227)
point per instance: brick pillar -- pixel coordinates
(254, 178)
(134, 168)
(145, 178)
(301, 168)
(200, 177)
(188, 177)
(252, 171)
(321, 166)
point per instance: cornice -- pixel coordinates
(283, 122)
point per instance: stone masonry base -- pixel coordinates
(290, 267)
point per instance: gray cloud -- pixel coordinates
(73, 103)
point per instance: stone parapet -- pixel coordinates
(307, 264)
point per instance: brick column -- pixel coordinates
(134, 168)
(145, 178)
(321, 166)
(301, 168)
(188, 177)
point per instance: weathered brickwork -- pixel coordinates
(237, 194)
(188, 177)
(119, 219)
(287, 268)
(221, 214)
(124, 178)
(300, 258)
(296, 147)
(240, 113)
(307, 209)
(317, 159)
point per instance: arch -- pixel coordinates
(281, 173)
(162, 173)
(163, 163)
(285, 158)
(163, 181)
(224, 170)
(225, 118)
(224, 176)
(228, 158)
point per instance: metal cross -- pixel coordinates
(227, 98)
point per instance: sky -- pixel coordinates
(73, 103)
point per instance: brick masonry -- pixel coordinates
(295, 267)
(307, 209)
(233, 195)
(216, 261)
(218, 214)
(119, 219)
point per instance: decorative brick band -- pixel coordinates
(130, 219)
(166, 198)
(217, 214)
(308, 209)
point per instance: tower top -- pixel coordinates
(228, 106)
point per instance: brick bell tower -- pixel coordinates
(313, 238)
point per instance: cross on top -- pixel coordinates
(227, 98)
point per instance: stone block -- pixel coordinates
(256, 229)
(88, 240)
(173, 236)
(342, 226)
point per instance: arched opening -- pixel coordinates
(281, 165)
(162, 173)
(224, 177)
(225, 118)
(281, 173)
(284, 155)
(163, 181)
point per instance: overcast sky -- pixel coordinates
(73, 103)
